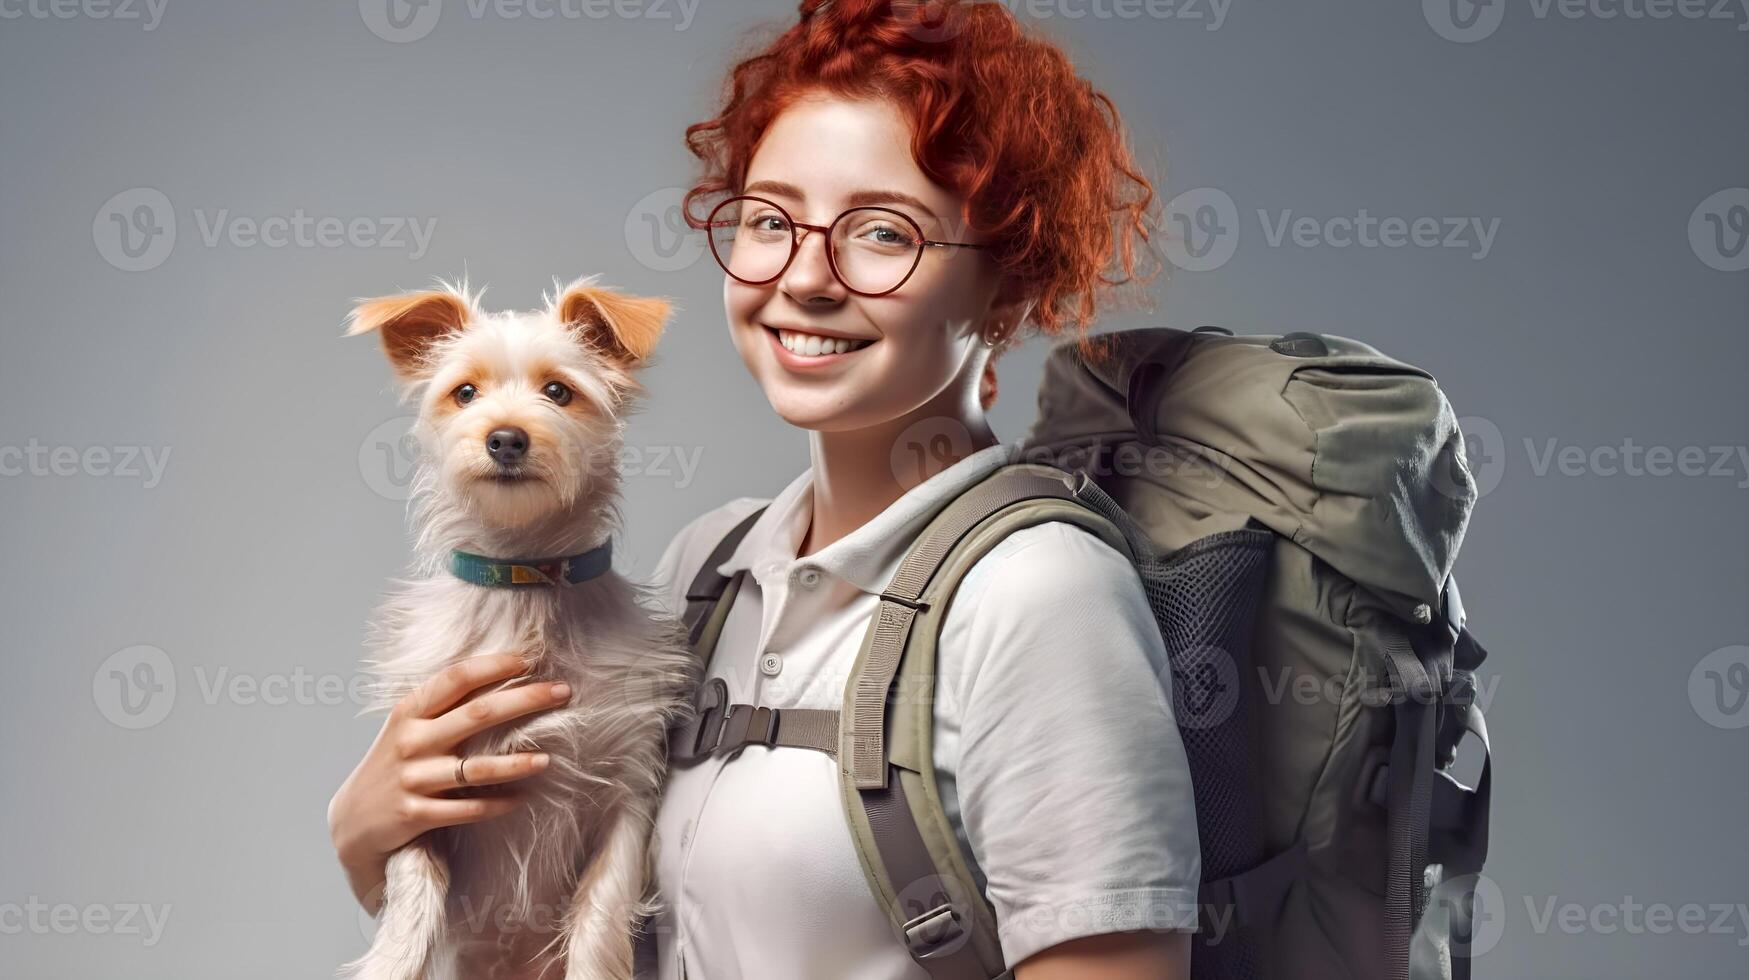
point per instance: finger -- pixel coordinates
(429, 813)
(443, 734)
(446, 688)
(437, 773)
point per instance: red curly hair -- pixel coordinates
(999, 116)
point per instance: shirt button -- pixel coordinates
(770, 664)
(809, 577)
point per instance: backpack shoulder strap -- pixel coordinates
(903, 838)
(704, 596)
(714, 725)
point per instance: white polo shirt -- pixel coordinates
(1058, 758)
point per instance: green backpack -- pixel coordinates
(1293, 506)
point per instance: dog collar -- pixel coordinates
(519, 572)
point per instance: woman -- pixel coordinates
(893, 199)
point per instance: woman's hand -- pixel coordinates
(395, 794)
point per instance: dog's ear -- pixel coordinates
(625, 327)
(408, 324)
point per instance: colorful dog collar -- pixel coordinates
(518, 572)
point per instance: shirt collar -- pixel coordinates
(869, 556)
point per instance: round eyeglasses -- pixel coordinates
(871, 250)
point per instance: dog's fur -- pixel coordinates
(558, 884)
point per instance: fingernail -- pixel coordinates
(540, 760)
(561, 690)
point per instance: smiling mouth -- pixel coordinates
(815, 345)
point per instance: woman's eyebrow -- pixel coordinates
(856, 199)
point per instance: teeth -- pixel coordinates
(814, 345)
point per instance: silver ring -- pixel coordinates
(461, 771)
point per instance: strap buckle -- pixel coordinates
(718, 726)
(934, 933)
(746, 725)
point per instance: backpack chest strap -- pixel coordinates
(721, 728)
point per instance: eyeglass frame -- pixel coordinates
(795, 243)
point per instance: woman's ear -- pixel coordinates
(626, 328)
(408, 325)
(1005, 319)
(1004, 322)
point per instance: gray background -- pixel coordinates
(552, 147)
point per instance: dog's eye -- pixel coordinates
(560, 394)
(465, 394)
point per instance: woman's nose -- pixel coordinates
(810, 272)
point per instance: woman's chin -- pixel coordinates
(818, 414)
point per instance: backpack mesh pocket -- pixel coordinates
(1205, 598)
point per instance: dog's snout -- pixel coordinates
(507, 445)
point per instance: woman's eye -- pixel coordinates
(464, 394)
(887, 236)
(560, 394)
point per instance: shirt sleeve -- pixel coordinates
(1056, 747)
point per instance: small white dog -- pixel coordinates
(520, 427)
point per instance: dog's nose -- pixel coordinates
(507, 445)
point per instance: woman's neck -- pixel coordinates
(859, 473)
